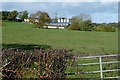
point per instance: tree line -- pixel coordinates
(12, 15)
(42, 17)
(82, 22)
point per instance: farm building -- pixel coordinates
(59, 23)
(26, 20)
(18, 19)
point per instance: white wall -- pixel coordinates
(64, 20)
(67, 20)
(58, 20)
(61, 20)
(26, 20)
(54, 27)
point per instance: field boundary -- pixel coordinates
(100, 63)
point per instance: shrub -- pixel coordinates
(34, 64)
(74, 26)
(104, 28)
(86, 25)
(80, 24)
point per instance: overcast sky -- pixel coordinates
(100, 11)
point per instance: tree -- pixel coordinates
(1, 15)
(74, 23)
(33, 16)
(23, 14)
(56, 17)
(82, 22)
(12, 16)
(4, 15)
(85, 17)
(86, 25)
(20, 14)
(42, 17)
(104, 28)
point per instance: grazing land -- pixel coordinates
(17, 34)
(25, 35)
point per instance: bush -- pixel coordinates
(34, 64)
(104, 28)
(74, 26)
(86, 25)
(80, 24)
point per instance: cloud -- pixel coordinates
(67, 9)
(59, 0)
(73, 4)
(109, 0)
(104, 17)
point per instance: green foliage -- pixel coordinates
(12, 16)
(4, 15)
(23, 14)
(74, 26)
(82, 23)
(88, 25)
(40, 24)
(104, 28)
(42, 17)
(75, 23)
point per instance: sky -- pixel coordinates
(100, 10)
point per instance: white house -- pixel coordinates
(60, 24)
(37, 21)
(59, 20)
(26, 20)
(63, 20)
(67, 20)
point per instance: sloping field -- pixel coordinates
(19, 35)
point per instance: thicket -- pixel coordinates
(104, 28)
(50, 64)
(84, 23)
(88, 26)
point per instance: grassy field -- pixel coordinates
(26, 35)
(72, 69)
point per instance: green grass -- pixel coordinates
(25, 35)
(74, 68)
(93, 43)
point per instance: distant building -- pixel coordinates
(26, 20)
(18, 19)
(60, 23)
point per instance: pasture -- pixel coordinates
(25, 35)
